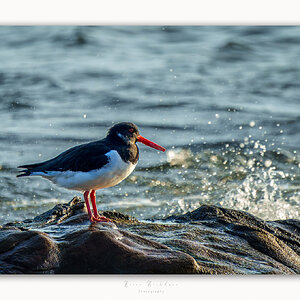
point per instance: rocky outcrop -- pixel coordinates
(209, 240)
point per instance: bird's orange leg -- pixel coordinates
(86, 199)
(96, 215)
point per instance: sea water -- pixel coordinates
(223, 101)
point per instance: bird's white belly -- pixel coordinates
(109, 175)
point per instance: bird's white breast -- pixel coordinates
(109, 175)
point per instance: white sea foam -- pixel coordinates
(262, 195)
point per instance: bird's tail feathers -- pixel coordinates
(24, 173)
(31, 166)
(29, 169)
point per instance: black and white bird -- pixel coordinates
(95, 165)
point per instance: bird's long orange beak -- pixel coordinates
(150, 144)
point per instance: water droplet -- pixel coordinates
(268, 163)
(214, 158)
(252, 124)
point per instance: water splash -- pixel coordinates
(243, 176)
(262, 194)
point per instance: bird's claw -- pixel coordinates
(98, 218)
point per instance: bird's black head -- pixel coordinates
(125, 133)
(128, 134)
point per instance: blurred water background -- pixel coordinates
(224, 101)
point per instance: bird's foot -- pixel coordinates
(98, 218)
(103, 219)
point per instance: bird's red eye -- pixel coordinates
(131, 130)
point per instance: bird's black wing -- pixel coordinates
(82, 158)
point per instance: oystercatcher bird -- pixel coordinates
(95, 165)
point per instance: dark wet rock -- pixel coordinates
(67, 243)
(26, 251)
(208, 240)
(258, 246)
(105, 249)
